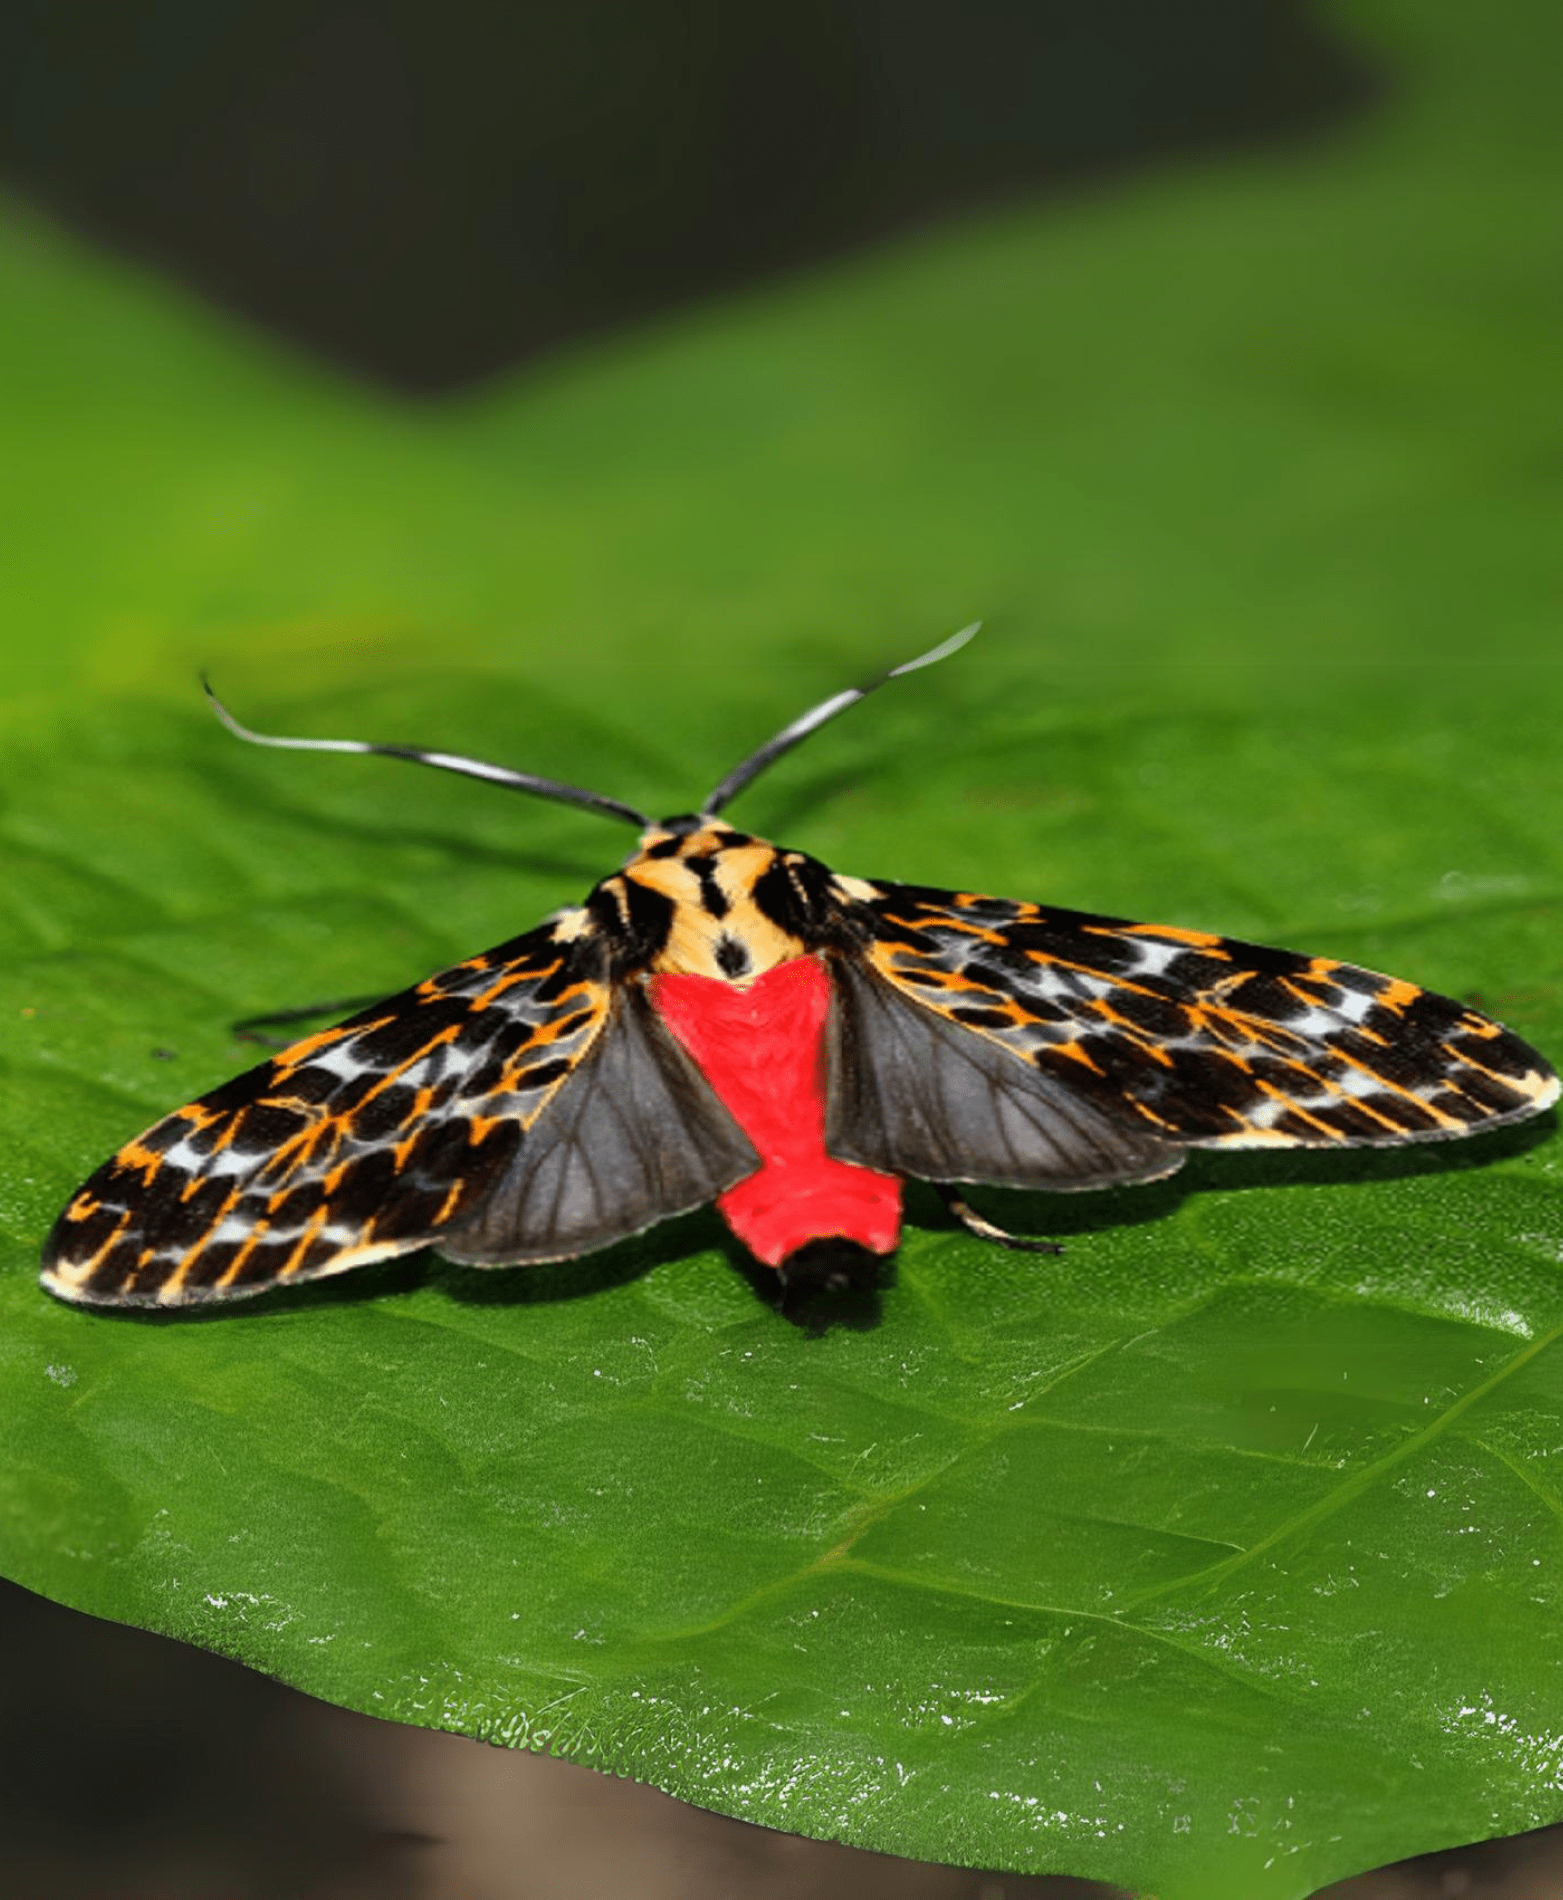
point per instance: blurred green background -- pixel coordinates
(617, 387)
(1284, 408)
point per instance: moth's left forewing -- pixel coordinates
(363, 1141)
(1204, 1040)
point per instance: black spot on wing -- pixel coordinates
(411, 1031)
(1156, 1016)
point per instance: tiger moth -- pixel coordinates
(726, 1020)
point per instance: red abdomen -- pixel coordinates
(762, 1050)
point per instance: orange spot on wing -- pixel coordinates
(1174, 933)
(1074, 1052)
(300, 1052)
(230, 1129)
(1294, 1107)
(336, 1176)
(531, 973)
(981, 931)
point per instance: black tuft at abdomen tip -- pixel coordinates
(831, 1265)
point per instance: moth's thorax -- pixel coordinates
(714, 882)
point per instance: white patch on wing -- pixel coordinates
(570, 924)
(857, 889)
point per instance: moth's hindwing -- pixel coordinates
(637, 1135)
(1202, 1040)
(912, 1091)
(365, 1140)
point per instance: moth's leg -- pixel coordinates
(983, 1228)
(254, 1028)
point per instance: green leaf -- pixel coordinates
(1217, 1557)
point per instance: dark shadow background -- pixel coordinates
(426, 196)
(430, 194)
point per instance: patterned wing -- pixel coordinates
(1198, 1039)
(362, 1141)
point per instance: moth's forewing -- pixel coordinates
(1205, 1040)
(362, 1141)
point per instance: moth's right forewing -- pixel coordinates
(1205, 1040)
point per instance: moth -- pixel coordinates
(726, 1020)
